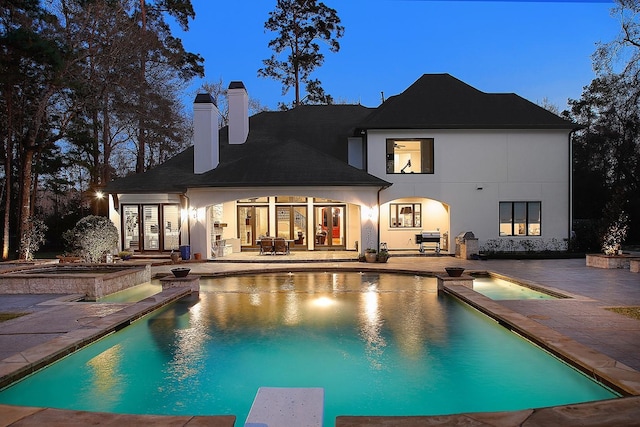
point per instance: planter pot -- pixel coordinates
(371, 257)
(181, 272)
(382, 258)
(197, 256)
(454, 271)
(174, 257)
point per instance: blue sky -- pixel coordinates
(537, 49)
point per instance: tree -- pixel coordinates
(123, 120)
(299, 25)
(218, 91)
(161, 56)
(624, 50)
(34, 65)
(607, 151)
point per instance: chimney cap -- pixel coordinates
(204, 98)
(237, 85)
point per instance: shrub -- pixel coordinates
(615, 235)
(92, 238)
(31, 241)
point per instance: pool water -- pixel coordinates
(500, 289)
(134, 294)
(379, 344)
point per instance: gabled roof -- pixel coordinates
(440, 101)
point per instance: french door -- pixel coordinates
(330, 227)
(151, 227)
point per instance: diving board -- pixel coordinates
(277, 406)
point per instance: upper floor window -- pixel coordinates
(404, 215)
(413, 155)
(520, 218)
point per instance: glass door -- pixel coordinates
(151, 228)
(292, 225)
(130, 228)
(253, 222)
(171, 229)
(330, 226)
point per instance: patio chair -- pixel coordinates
(280, 246)
(266, 245)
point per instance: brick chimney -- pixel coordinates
(206, 153)
(238, 113)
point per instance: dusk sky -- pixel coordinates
(537, 49)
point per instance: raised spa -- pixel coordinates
(91, 281)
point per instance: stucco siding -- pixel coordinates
(473, 172)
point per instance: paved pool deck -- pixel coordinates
(580, 327)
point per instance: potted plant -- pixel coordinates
(382, 256)
(124, 255)
(371, 255)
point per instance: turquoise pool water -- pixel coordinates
(500, 289)
(379, 344)
(135, 293)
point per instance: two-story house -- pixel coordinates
(440, 156)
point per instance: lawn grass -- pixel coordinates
(9, 316)
(633, 312)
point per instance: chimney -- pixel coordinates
(238, 113)
(206, 152)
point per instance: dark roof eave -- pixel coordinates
(291, 184)
(478, 127)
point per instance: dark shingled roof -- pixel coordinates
(440, 101)
(306, 146)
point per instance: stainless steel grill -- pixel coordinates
(432, 237)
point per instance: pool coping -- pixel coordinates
(32, 359)
(604, 369)
(610, 372)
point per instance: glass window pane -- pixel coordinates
(130, 228)
(245, 220)
(283, 225)
(505, 218)
(262, 220)
(520, 219)
(427, 156)
(406, 215)
(171, 229)
(390, 156)
(409, 155)
(150, 226)
(300, 225)
(290, 199)
(393, 216)
(255, 200)
(535, 218)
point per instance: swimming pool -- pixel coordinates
(379, 344)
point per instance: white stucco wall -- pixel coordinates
(361, 202)
(508, 166)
